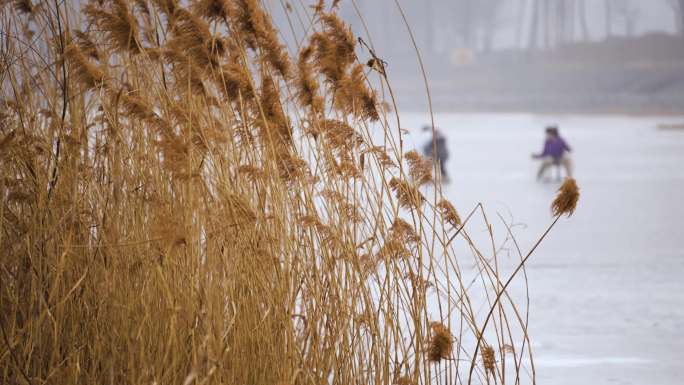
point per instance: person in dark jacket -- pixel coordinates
(555, 153)
(437, 150)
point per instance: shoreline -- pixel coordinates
(560, 112)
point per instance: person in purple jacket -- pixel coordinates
(555, 153)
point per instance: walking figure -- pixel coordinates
(437, 151)
(556, 153)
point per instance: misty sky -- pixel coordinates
(649, 16)
(440, 19)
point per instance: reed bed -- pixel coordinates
(188, 200)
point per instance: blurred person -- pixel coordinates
(556, 153)
(437, 150)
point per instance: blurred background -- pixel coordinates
(607, 298)
(607, 294)
(532, 55)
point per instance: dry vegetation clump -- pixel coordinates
(488, 360)
(449, 213)
(420, 168)
(183, 204)
(440, 343)
(567, 198)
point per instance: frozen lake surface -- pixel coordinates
(607, 285)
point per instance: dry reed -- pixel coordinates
(181, 206)
(566, 200)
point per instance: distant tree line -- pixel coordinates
(476, 25)
(540, 23)
(556, 22)
(678, 9)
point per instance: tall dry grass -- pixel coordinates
(184, 202)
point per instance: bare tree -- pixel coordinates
(629, 14)
(561, 22)
(681, 17)
(477, 22)
(678, 12)
(609, 18)
(488, 21)
(520, 20)
(429, 39)
(546, 12)
(534, 26)
(570, 21)
(463, 21)
(582, 15)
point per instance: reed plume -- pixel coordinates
(25, 7)
(408, 196)
(82, 69)
(449, 213)
(401, 241)
(119, 25)
(488, 359)
(307, 86)
(258, 32)
(420, 169)
(440, 346)
(334, 49)
(566, 199)
(193, 41)
(213, 9)
(87, 45)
